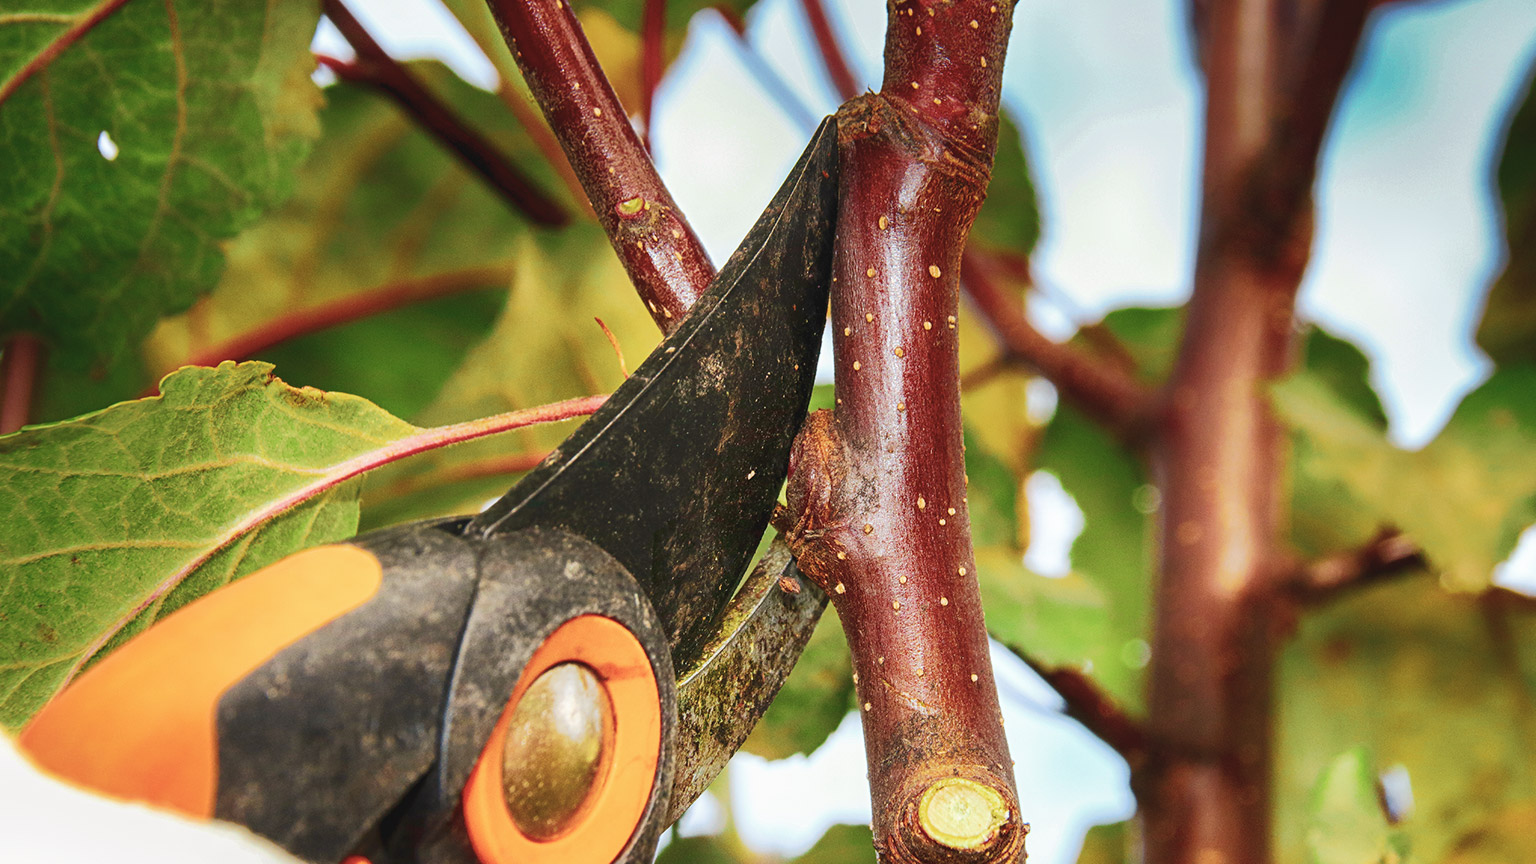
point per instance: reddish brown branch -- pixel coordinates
(1100, 388)
(663, 257)
(653, 46)
(345, 310)
(1221, 602)
(376, 68)
(877, 500)
(843, 80)
(1389, 554)
(1096, 710)
(21, 365)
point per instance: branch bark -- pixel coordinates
(877, 495)
(664, 258)
(376, 68)
(1323, 581)
(1221, 600)
(21, 365)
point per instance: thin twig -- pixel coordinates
(21, 365)
(376, 68)
(765, 75)
(614, 341)
(1089, 705)
(1324, 580)
(664, 258)
(1103, 390)
(832, 58)
(653, 43)
(344, 310)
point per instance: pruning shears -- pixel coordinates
(552, 680)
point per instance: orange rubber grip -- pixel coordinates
(142, 724)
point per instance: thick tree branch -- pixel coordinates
(21, 365)
(877, 498)
(1102, 389)
(662, 255)
(1324, 580)
(1221, 597)
(376, 68)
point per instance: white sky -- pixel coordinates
(1407, 240)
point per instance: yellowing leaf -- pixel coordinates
(1464, 498)
(1347, 824)
(1437, 683)
(544, 347)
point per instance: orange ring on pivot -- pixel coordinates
(623, 789)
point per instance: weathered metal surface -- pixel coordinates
(327, 736)
(723, 695)
(677, 474)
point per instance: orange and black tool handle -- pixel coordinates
(352, 700)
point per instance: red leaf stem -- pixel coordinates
(843, 80)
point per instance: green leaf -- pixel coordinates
(1508, 328)
(121, 516)
(545, 347)
(1149, 336)
(1105, 844)
(1114, 552)
(1059, 622)
(842, 844)
(1009, 219)
(384, 213)
(1326, 517)
(1346, 823)
(211, 108)
(1437, 683)
(814, 699)
(696, 850)
(992, 497)
(1464, 498)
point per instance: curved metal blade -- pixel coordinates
(676, 475)
(723, 695)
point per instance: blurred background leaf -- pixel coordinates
(1464, 498)
(1437, 683)
(814, 699)
(112, 211)
(1346, 822)
(545, 346)
(1508, 328)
